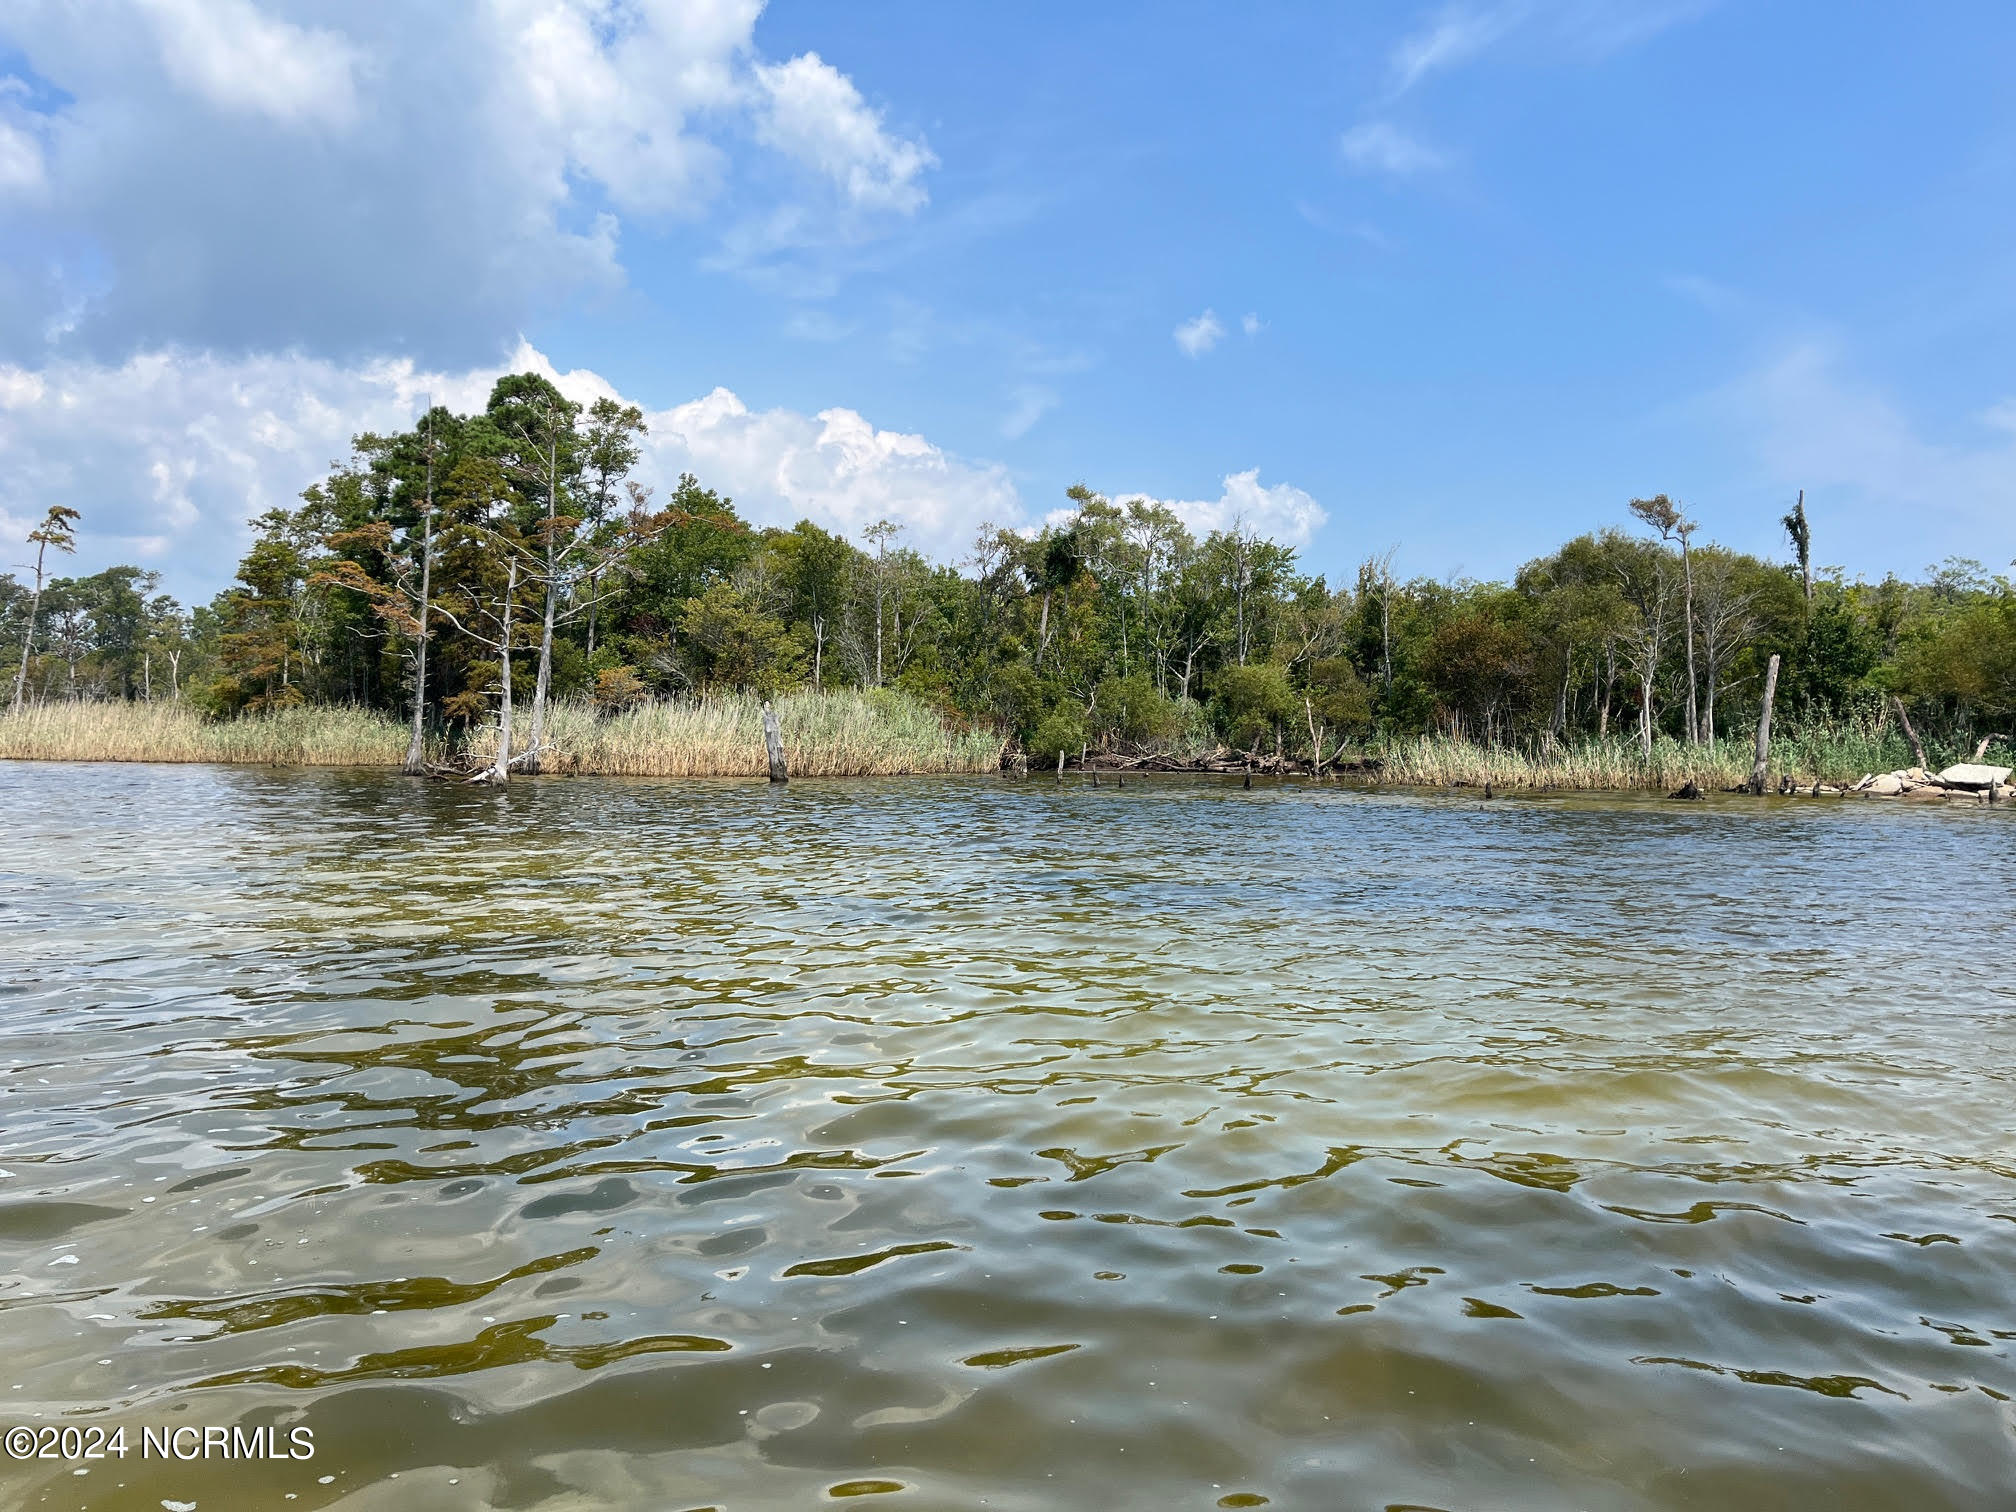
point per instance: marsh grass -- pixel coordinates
(1831, 754)
(175, 732)
(883, 733)
(825, 735)
(847, 734)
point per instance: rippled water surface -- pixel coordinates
(966, 1143)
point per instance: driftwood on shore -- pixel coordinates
(1222, 761)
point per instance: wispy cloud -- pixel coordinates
(1363, 231)
(1382, 147)
(1715, 298)
(817, 325)
(1252, 324)
(1810, 422)
(1455, 37)
(1198, 336)
(1581, 29)
(1030, 403)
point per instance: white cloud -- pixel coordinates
(169, 454)
(834, 468)
(1252, 324)
(20, 153)
(1199, 335)
(232, 55)
(815, 115)
(1381, 147)
(611, 89)
(1281, 512)
(20, 159)
(2001, 416)
(470, 164)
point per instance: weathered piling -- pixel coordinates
(1760, 768)
(773, 743)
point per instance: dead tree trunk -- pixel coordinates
(773, 743)
(1910, 734)
(501, 771)
(416, 744)
(1760, 766)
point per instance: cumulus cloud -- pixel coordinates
(413, 179)
(1252, 324)
(1382, 147)
(834, 468)
(232, 55)
(20, 159)
(1281, 512)
(169, 454)
(813, 113)
(1198, 336)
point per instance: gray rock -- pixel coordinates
(1889, 785)
(1973, 775)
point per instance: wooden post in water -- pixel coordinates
(773, 743)
(1060, 763)
(1760, 768)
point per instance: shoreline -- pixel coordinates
(885, 733)
(1361, 777)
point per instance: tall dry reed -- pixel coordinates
(844, 734)
(1831, 754)
(825, 735)
(176, 732)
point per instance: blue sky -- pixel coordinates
(1455, 281)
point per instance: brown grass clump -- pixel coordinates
(825, 735)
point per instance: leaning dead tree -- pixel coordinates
(1911, 734)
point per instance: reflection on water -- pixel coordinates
(959, 1143)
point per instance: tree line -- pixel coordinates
(471, 570)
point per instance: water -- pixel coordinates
(964, 1143)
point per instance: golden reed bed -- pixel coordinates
(825, 735)
(856, 735)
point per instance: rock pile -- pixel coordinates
(1970, 779)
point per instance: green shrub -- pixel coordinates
(1063, 729)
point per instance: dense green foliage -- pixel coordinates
(1116, 628)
